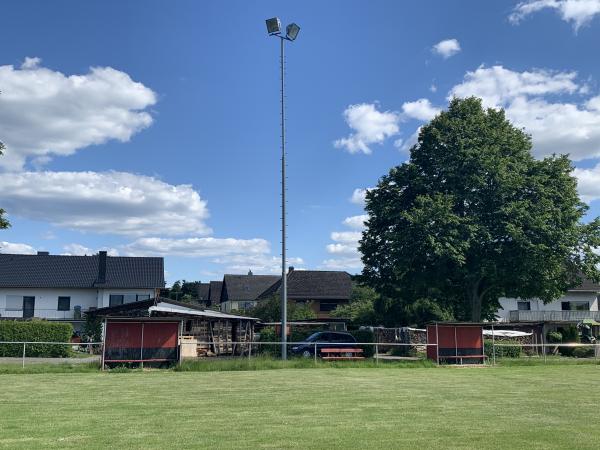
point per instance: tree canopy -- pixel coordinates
(269, 310)
(472, 216)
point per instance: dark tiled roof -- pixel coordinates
(314, 285)
(58, 271)
(587, 285)
(203, 291)
(246, 287)
(215, 292)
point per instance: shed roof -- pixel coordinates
(203, 291)
(61, 271)
(215, 292)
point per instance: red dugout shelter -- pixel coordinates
(455, 343)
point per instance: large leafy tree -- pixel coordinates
(3, 222)
(472, 216)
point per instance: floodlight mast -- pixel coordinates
(292, 30)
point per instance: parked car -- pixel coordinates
(320, 340)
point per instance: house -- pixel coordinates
(59, 287)
(577, 304)
(322, 290)
(241, 292)
(203, 294)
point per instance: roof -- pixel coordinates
(215, 292)
(315, 285)
(587, 286)
(246, 287)
(203, 291)
(161, 305)
(61, 271)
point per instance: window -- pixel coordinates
(524, 306)
(64, 303)
(326, 307)
(115, 300)
(14, 302)
(142, 297)
(575, 306)
(129, 298)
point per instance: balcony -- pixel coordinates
(50, 314)
(553, 316)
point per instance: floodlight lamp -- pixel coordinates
(273, 26)
(292, 31)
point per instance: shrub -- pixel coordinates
(268, 334)
(365, 336)
(570, 335)
(35, 331)
(583, 352)
(554, 337)
(504, 349)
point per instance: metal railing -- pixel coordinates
(44, 313)
(553, 316)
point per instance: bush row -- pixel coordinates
(35, 331)
(508, 349)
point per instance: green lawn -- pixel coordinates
(555, 406)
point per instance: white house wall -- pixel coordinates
(46, 300)
(510, 304)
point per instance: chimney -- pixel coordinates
(101, 267)
(43, 253)
(290, 269)
(250, 272)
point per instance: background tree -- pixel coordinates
(3, 222)
(269, 310)
(472, 216)
(360, 310)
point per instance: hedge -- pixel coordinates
(504, 349)
(35, 331)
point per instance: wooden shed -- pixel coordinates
(163, 330)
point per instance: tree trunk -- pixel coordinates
(475, 303)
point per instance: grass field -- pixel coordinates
(554, 406)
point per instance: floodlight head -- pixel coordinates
(292, 31)
(273, 26)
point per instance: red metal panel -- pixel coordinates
(431, 340)
(469, 337)
(161, 334)
(446, 336)
(123, 334)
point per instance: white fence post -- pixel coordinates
(24, 344)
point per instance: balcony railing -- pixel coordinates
(553, 316)
(52, 314)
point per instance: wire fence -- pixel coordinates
(12, 352)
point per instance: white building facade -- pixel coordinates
(64, 288)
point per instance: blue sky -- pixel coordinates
(151, 128)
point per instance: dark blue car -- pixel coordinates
(320, 340)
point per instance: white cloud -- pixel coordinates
(588, 183)
(197, 247)
(356, 222)
(236, 255)
(406, 145)
(556, 126)
(105, 202)
(433, 88)
(421, 109)
(46, 113)
(369, 126)
(359, 196)
(497, 85)
(576, 12)
(447, 48)
(80, 250)
(16, 248)
(353, 264)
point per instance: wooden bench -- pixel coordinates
(461, 357)
(330, 354)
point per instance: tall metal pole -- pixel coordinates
(283, 249)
